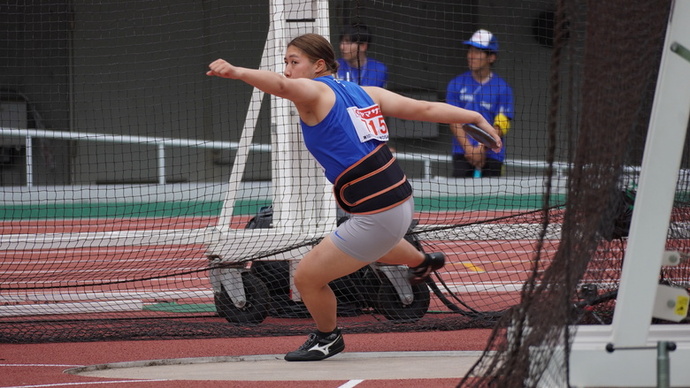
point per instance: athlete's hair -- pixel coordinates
(316, 47)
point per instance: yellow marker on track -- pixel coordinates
(472, 267)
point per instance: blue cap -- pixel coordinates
(483, 39)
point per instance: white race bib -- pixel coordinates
(369, 123)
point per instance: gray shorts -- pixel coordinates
(367, 237)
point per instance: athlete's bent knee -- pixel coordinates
(304, 281)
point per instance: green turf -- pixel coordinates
(244, 207)
(123, 210)
(173, 307)
(496, 202)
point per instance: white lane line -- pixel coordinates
(351, 383)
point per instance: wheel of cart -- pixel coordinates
(240, 297)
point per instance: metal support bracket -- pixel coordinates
(397, 274)
(229, 278)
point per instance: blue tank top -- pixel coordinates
(351, 130)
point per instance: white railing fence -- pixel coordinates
(161, 143)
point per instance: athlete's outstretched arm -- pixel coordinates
(298, 90)
(395, 105)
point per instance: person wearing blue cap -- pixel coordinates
(480, 90)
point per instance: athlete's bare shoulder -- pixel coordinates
(376, 93)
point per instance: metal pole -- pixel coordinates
(660, 165)
(663, 364)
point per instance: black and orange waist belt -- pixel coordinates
(372, 185)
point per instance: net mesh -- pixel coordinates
(597, 55)
(118, 156)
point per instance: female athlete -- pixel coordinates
(344, 129)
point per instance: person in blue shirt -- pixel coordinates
(355, 66)
(480, 90)
(344, 128)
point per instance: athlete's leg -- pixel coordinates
(320, 266)
(421, 264)
(403, 253)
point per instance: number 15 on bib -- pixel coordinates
(369, 123)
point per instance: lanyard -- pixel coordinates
(360, 72)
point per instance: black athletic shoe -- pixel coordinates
(432, 262)
(316, 348)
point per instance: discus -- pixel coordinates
(480, 135)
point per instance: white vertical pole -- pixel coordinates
(285, 200)
(325, 206)
(29, 162)
(302, 196)
(654, 200)
(161, 164)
